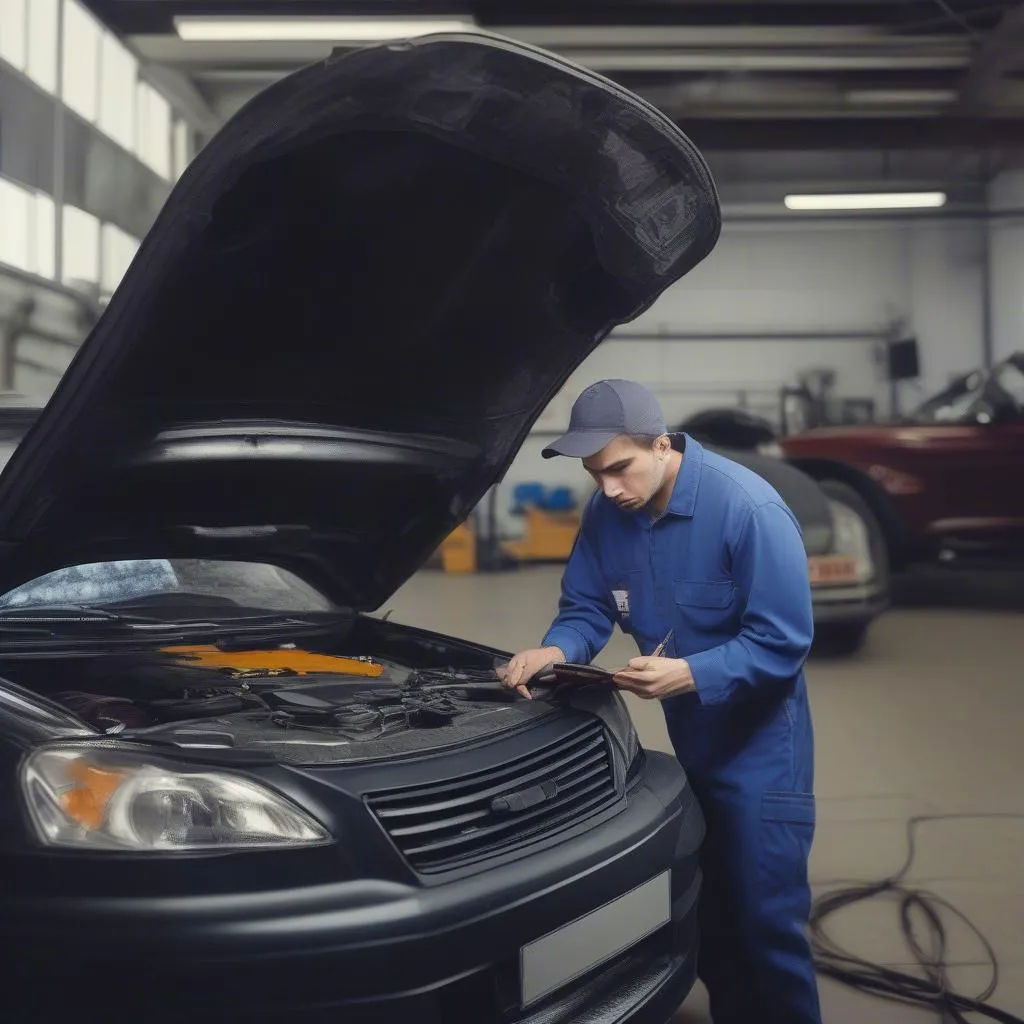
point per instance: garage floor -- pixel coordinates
(928, 719)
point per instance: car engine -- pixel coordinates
(295, 704)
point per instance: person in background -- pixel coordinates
(690, 542)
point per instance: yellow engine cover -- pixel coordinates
(293, 661)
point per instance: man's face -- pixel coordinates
(629, 474)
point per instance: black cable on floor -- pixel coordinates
(934, 990)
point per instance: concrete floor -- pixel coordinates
(927, 719)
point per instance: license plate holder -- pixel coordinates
(826, 570)
(565, 954)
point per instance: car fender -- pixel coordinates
(894, 527)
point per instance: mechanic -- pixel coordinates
(692, 543)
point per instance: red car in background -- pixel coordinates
(946, 481)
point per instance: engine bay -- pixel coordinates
(296, 704)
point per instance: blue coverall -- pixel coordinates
(726, 569)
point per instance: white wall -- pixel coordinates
(945, 301)
(826, 277)
(1006, 249)
(812, 277)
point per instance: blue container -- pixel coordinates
(560, 499)
(527, 495)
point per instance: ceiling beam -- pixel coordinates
(733, 59)
(855, 133)
(184, 97)
(703, 36)
(133, 16)
(628, 49)
(743, 97)
(745, 48)
(1000, 51)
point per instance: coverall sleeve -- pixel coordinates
(769, 568)
(586, 613)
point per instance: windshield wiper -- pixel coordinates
(79, 626)
(70, 613)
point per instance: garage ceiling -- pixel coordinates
(936, 76)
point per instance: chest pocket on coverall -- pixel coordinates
(706, 606)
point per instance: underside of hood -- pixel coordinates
(352, 308)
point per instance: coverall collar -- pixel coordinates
(684, 493)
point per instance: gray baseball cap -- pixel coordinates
(605, 411)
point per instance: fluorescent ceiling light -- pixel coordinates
(356, 30)
(867, 201)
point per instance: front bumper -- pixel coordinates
(861, 603)
(374, 952)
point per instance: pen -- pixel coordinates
(660, 649)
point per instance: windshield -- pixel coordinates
(177, 584)
(1010, 379)
(973, 397)
(955, 403)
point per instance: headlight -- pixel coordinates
(851, 538)
(104, 799)
(771, 449)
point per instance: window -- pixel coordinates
(954, 403)
(1010, 377)
(26, 229)
(16, 218)
(44, 236)
(100, 75)
(118, 79)
(118, 251)
(80, 85)
(81, 248)
(41, 55)
(153, 130)
(182, 148)
(14, 32)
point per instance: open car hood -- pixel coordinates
(350, 311)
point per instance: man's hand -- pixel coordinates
(525, 665)
(656, 678)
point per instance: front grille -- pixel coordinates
(454, 823)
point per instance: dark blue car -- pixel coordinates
(227, 790)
